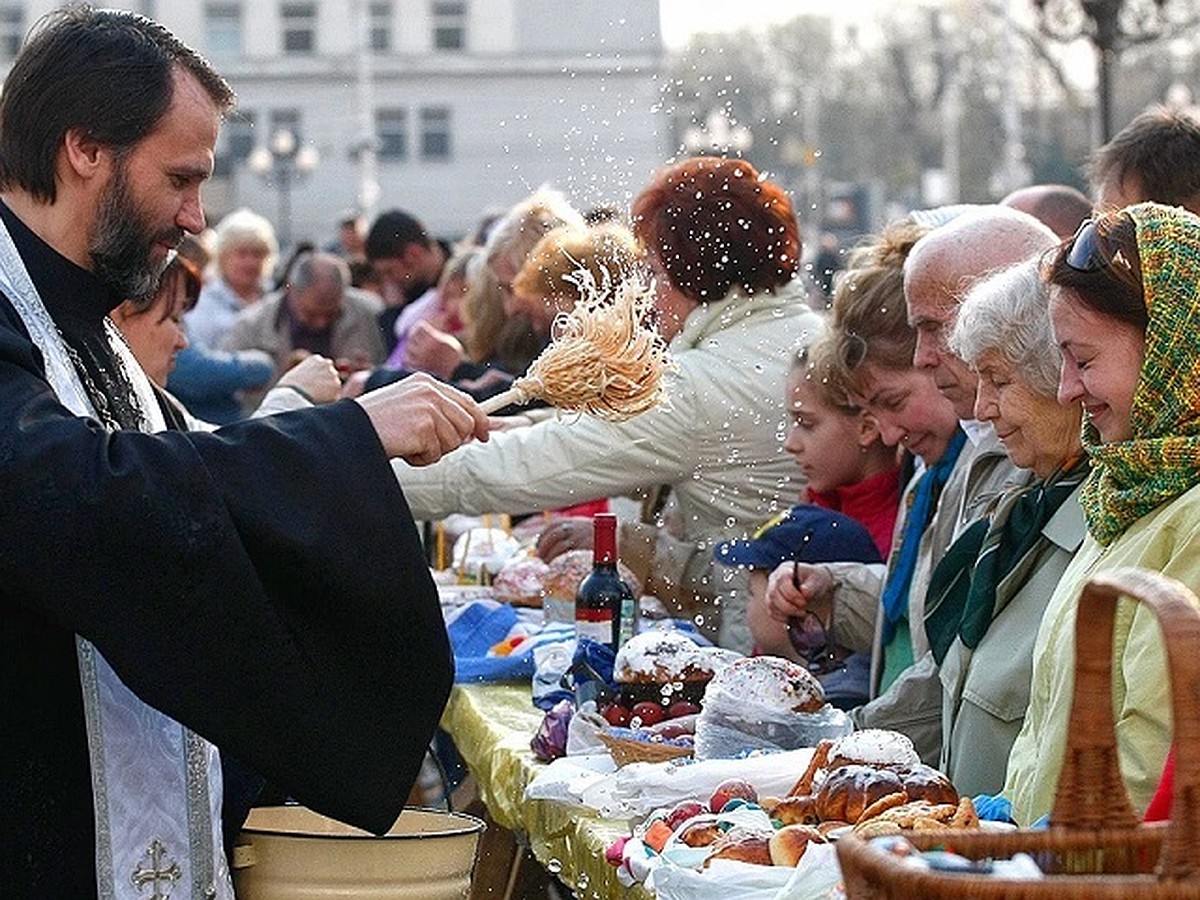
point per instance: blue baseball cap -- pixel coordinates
(805, 533)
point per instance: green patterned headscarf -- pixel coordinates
(1162, 458)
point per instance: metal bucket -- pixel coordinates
(294, 853)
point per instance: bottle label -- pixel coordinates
(628, 609)
(598, 630)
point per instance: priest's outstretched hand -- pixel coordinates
(420, 419)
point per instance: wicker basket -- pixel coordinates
(625, 751)
(1096, 846)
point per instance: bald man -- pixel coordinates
(940, 268)
(1059, 207)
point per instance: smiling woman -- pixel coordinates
(1139, 384)
(1100, 319)
(874, 346)
(1003, 331)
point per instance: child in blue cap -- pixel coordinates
(852, 498)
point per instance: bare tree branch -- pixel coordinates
(899, 57)
(1036, 41)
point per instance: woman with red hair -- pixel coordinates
(711, 227)
(723, 245)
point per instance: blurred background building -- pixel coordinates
(862, 110)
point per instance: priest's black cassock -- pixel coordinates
(263, 585)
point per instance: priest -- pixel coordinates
(169, 598)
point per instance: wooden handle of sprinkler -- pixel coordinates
(501, 400)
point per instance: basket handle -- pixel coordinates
(1090, 791)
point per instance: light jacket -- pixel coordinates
(1166, 540)
(985, 691)
(211, 318)
(912, 704)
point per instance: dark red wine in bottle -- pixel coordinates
(605, 607)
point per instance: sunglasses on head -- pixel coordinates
(1087, 254)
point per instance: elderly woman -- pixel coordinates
(210, 381)
(1125, 307)
(245, 249)
(987, 594)
(724, 244)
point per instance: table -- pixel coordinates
(491, 724)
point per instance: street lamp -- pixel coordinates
(283, 162)
(1111, 26)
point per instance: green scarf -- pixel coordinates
(961, 600)
(1162, 459)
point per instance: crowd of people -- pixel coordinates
(215, 460)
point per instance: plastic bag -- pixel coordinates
(816, 877)
(583, 737)
(678, 876)
(550, 742)
(678, 873)
(550, 663)
(639, 788)
(729, 726)
(566, 779)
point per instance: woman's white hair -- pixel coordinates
(1008, 313)
(244, 227)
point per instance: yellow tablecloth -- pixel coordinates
(492, 725)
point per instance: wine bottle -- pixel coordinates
(605, 608)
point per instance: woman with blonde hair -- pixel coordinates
(731, 326)
(208, 379)
(245, 249)
(567, 264)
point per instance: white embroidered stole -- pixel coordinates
(156, 785)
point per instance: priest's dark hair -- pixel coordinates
(106, 72)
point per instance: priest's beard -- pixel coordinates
(122, 243)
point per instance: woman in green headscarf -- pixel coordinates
(1126, 310)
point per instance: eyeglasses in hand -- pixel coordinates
(812, 639)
